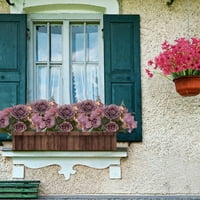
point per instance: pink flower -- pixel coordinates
(83, 122)
(40, 106)
(7, 111)
(87, 106)
(19, 127)
(95, 122)
(112, 127)
(97, 112)
(49, 121)
(129, 122)
(19, 112)
(66, 127)
(66, 112)
(149, 73)
(4, 120)
(38, 122)
(150, 62)
(51, 112)
(179, 59)
(112, 111)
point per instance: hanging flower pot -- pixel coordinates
(187, 85)
(179, 62)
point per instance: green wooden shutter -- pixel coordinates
(12, 61)
(122, 67)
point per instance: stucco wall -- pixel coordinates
(4, 8)
(168, 159)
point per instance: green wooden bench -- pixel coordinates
(22, 189)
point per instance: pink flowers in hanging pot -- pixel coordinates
(86, 115)
(176, 60)
(179, 62)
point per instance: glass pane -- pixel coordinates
(92, 42)
(92, 82)
(42, 82)
(78, 82)
(77, 43)
(56, 43)
(41, 43)
(55, 83)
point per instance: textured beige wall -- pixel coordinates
(4, 8)
(168, 159)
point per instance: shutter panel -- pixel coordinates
(122, 67)
(12, 61)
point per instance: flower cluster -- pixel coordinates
(179, 59)
(86, 115)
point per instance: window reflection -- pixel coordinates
(78, 43)
(41, 43)
(56, 43)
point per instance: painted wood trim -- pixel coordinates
(67, 160)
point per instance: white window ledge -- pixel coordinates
(66, 160)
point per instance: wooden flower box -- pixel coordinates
(61, 141)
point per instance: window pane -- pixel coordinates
(78, 82)
(55, 83)
(92, 42)
(56, 43)
(42, 82)
(41, 43)
(92, 82)
(78, 43)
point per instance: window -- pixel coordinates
(113, 63)
(66, 58)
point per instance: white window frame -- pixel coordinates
(65, 71)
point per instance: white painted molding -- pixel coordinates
(72, 6)
(66, 160)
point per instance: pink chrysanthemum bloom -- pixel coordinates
(86, 106)
(97, 112)
(65, 127)
(19, 112)
(19, 127)
(38, 122)
(40, 106)
(4, 120)
(51, 112)
(66, 112)
(129, 122)
(83, 122)
(49, 121)
(112, 111)
(112, 127)
(95, 122)
(6, 111)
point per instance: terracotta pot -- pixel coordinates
(61, 141)
(187, 85)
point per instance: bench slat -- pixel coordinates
(15, 196)
(20, 190)
(16, 185)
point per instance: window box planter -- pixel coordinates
(63, 141)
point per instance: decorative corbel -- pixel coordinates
(170, 2)
(9, 3)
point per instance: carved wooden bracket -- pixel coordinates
(66, 160)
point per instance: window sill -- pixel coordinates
(67, 160)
